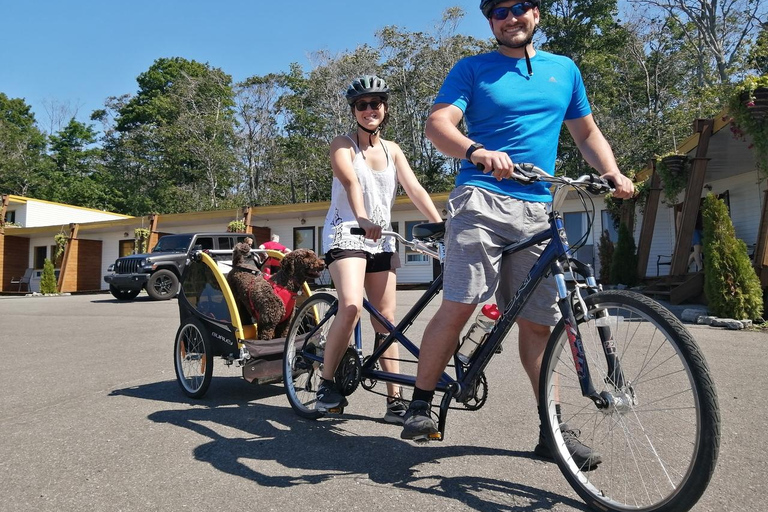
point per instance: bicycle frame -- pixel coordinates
(555, 259)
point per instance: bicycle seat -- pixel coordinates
(429, 231)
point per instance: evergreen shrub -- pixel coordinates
(605, 251)
(731, 285)
(624, 264)
(48, 278)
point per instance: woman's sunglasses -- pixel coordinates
(517, 10)
(362, 105)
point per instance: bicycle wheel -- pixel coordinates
(193, 359)
(659, 438)
(301, 375)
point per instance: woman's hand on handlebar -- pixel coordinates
(372, 231)
(497, 163)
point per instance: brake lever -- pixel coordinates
(523, 173)
(598, 184)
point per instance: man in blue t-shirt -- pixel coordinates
(512, 115)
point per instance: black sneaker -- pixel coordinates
(417, 423)
(328, 397)
(396, 411)
(584, 456)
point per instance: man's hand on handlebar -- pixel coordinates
(497, 163)
(623, 187)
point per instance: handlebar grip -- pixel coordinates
(356, 231)
(480, 167)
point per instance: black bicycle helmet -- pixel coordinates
(487, 5)
(367, 85)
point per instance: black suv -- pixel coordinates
(159, 271)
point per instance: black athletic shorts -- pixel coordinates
(379, 262)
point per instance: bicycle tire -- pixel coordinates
(301, 376)
(193, 358)
(659, 450)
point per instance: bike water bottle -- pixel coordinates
(478, 332)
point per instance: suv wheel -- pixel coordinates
(123, 294)
(163, 285)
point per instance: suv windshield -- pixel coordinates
(173, 243)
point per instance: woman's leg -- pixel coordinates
(380, 287)
(348, 274)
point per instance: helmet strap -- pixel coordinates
(524, 46)
(370, 133)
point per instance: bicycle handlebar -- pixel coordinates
(527, 173)
(416, 245)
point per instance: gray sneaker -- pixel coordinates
(418, 424)
(396, 411)
(584, 456)
(328, 397)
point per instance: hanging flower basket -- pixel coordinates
(748, 107)
(673, 170)
(675, 164)
(756, 103)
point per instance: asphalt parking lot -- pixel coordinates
(92, 420)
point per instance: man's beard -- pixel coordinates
(518, 45)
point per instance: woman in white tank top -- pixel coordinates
(366, 173)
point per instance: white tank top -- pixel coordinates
(379, 189)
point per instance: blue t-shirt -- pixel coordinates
(505, 109)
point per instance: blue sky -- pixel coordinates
(79, 52)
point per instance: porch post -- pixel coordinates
(679, 265)
(247, 220)
(649, 221)
(69, 263)
(760, 260)
(154, 220)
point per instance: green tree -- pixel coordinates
(258, 133)
(730, 283)
(48, 282)
(605, 250)
(22, 148)
(624, 263)
(414, 65)
(170, 148)
(715, 32)
(76, 176)
(758, 54)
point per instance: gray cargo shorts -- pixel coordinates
(480, 224)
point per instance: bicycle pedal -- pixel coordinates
(335, 410)
(423, 439)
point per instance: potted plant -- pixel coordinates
(673, 169)
(236, 226)
(61, 240)
(748, 107)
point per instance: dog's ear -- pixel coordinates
(239, 252)
(288, 263)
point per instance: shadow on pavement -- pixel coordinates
(325, 449)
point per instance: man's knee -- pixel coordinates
(531, 332)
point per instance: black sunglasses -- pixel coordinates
(362, 105)
(517, 10)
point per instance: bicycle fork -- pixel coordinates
(570, 302)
